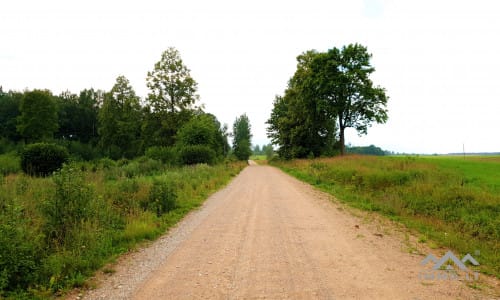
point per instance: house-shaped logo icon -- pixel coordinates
(438, 263)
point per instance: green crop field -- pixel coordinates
(451, 200)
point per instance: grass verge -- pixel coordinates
(449, 200)
(56, 231)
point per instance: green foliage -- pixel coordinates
(38, 118)
(9, 111)
(78, 115)
(197, 154)
(329, 92)
(120, 121)
(369, 150)
(242, 137)
(69, 206)
(162, 198)
(434, 195)
(55, 232)
(19, 248)
(9, 163)
(166, 155)
(42, 159)
(171, 87)
(203, 130)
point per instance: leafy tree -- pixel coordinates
(256, 150)
(119, 120)
(38, 119)
(342, 81)
(328, 93)
(171, 100)
(203, 129)
(268, 151)
(170, 83)
(78, 115)
(299, 122)
(242, 137)
(9, 111)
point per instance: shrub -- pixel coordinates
(162, 198)
(42, 159)
(164, 154)
(69, 206)
(9, 163)
(82, 151)
(19, 249)
(197, 154)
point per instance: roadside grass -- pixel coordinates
(9, 163)
(55, 232)
(258, 157)
(452, 202)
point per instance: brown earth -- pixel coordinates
(269, 236)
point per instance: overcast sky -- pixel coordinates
(438, 60)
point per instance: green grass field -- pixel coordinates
(454, 202)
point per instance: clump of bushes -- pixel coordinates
(42, 159)
(197, 154)
(162, 198)
(166, 155)
(69, 207)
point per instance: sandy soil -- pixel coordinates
(269, 236)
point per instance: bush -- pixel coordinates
(19, 249)
(164, 154)
(9, 163)
(42, 159)
(81, 151)
(197, 154)
(68, 207)
(162, 198)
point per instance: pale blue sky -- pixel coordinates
(437, 59)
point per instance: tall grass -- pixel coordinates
(55, 232)
(453, 201)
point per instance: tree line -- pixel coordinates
(329, 92)
(117, 123)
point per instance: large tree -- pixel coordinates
(171, 87)
(242, 137)
(9, 111)
(329, 91)
(119, 120)
(171, 101)
(341, 78)
(299, 122)
(78, 115)
(38, 120)
(204, 129)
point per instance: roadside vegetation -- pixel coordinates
(86, 177)
(452, 201)
(56, 231)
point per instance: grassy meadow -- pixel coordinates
(56, 231)
(452, 201)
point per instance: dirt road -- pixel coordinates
(269, 236)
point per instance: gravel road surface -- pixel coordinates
(269, 236)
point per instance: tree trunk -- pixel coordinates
(342, 141)
(342, 138)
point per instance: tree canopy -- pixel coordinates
(38, 120)
(171, 87)
(328, 93)
(242, 137)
